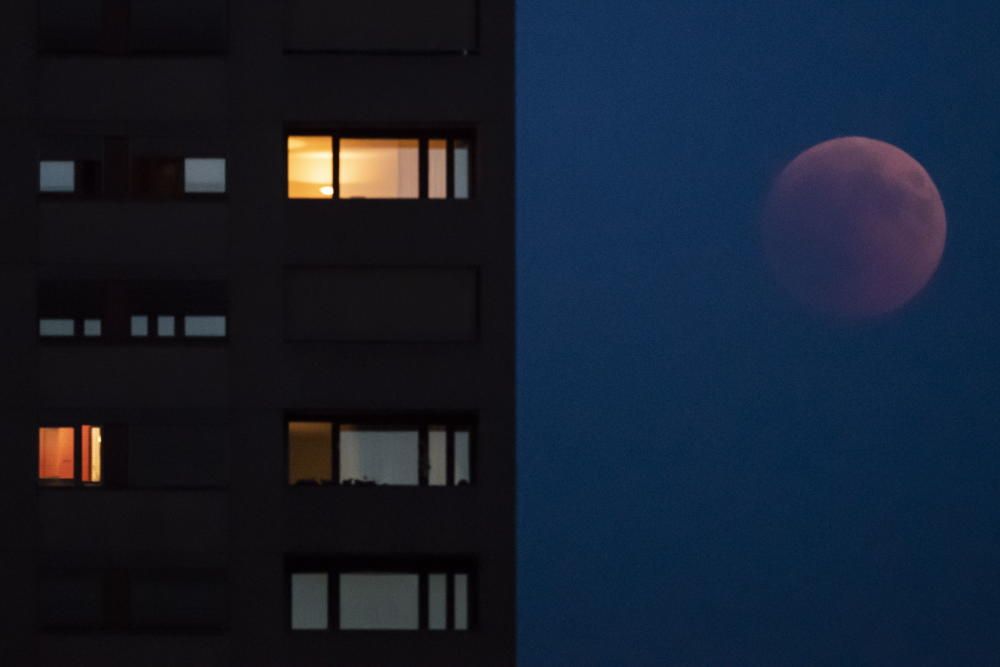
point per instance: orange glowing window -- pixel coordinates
(310, 167)
(418, 165)
(56, 448)
(58, 453)
(379, 168)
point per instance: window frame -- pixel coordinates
(422, 566)
(423, 136)
(421, 424)
(115, 174)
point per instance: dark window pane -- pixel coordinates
(177, 600)
(158, 178)
(70, 25)
(187, 26)
(70, 601)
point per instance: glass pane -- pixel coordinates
(310, 601)
(57, 176)
(310, 167)
(437, 453)
(310, 452)
(437, 603)
(461, 602)
(437, 169)
(92, 328)
(463, 458)
(70, 601)
(175, 600)
(139, 325)
(209, 326)
(379, 602)
(204, 175)
(55, 452)
(379, 168)
(166, 326)
(90, 454)
(461, 169)
(55, 327)
(378, 457)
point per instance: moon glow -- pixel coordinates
(854, 228)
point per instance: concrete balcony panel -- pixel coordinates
(133, 232)
(95, 88)
(140, 522)
(147, 375)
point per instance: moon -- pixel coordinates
(854, 228)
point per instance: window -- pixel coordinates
(194, 326)
(206, 175)
(70, 454)
(358, 166)
(176, 600)
(137, 26)
(155, 177)
(119, 167)
(140, 600)
(57, 176)
(68, 178)
(137, 311)
(310, 601)
(381, 594)
(382, 26)
(379, 601)
(387, 454)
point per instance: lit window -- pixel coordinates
(379, 601)
(67, 327)
(437, 169)
(310, 452)
(462, 473)
(437, 601)
(461, 178)
(379, 169)
(56, 327)
(386, 597)
(310, 167)
(90, 454)
(205, 326)
(359, 167)
(57, 176)
(310, 601)
(139, 326)
(437, 454)
(56, 453)
(369, 456)
(204, 175)
(92, 328)
(61, 447)
(320, 452)
(165, 326)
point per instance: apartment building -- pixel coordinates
(257, 397)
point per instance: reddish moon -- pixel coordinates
(854, 228)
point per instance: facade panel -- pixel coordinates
(171, 312)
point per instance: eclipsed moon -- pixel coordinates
(854, 227)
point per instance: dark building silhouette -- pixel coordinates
(257, 399)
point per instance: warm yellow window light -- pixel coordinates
(310, 167)
(310, 452)
(90, 454)
(379, 168)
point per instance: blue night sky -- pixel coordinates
(709, 474)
